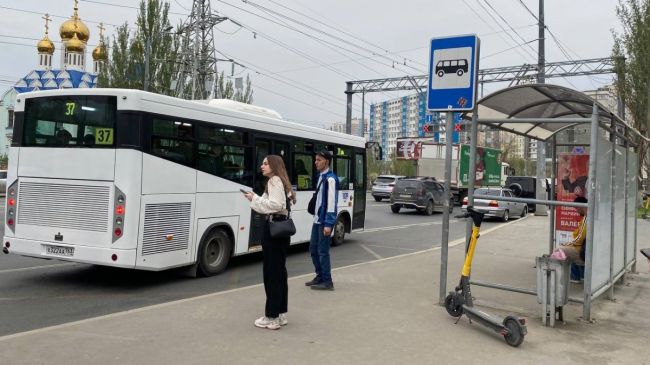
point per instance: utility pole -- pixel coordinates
(541, 150)
(198, 61)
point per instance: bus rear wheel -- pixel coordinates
(214, 253)
(339, 232)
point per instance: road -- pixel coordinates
(40, 293)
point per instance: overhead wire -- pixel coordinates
(342, 31)
(320, 40)
(301, 86)
(496, 21)
(499, 33)
(54, 15)
(249, 2)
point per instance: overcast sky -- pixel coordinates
(304, 78)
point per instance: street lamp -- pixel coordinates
(147, 54)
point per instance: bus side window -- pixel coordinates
(343, 172)
(303, 170)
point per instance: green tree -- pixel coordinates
(227, 90)
(401, 167)
(631, 52)
(126, 65)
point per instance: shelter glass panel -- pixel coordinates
(619, 210)
(602, 222)
(632, 196)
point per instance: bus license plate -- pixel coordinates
(59, 250)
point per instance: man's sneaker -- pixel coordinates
(575, 281)
(283, 319)
(323, 286)
(313, 281)
(266, 322)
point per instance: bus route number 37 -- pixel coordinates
(104, 136)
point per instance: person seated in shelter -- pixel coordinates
(575, 249)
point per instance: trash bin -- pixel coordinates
(545, 265)
(552, 287)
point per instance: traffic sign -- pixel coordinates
(453, 66)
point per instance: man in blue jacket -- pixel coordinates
(324, 221)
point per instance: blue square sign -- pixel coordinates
(453, 72)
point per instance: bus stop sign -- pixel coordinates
(453, 70)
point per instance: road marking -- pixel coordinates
(393, 247)
(390, 228)
(373, 253)
(212, 295)
(37, 267)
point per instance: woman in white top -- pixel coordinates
(273, 203)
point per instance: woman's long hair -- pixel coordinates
(276, 163)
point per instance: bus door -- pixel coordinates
(359, 213)
(262, 149)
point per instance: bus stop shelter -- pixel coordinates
(551, 113)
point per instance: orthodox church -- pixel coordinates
(71, 73)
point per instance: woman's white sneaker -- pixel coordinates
(270, 323)
(283, 319)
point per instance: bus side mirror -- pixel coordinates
(375, 149)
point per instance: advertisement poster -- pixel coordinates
(488, 166)
(572, 174)
(408, 149)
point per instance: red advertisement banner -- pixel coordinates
(572, 174)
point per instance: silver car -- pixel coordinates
(495, 208)
(383, 186)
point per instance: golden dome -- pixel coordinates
(45, 45)
(75, 45)
(99, 53)
(73, 26)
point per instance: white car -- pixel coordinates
(3, 182)
(383, 186)
(496, 208)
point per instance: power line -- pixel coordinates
(499, 33)
(298, 101)
(54, 15)
(290, 82)
(324, 32)
(312, 36)
(341, 31)
(507, 23)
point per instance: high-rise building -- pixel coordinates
(358, 128)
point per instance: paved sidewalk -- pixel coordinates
(383, 312)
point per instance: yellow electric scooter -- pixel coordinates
(459, 302)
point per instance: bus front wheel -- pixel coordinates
(214, 253)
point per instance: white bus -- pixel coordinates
(138, 180)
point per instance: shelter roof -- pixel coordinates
(503, 108)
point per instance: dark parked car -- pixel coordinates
(526, 187)
(422, 193)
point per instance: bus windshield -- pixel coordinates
(70, 121)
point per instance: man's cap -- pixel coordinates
(325, 154)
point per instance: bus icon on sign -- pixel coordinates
(458, 66)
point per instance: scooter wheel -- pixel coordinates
(515, 335)
(451, 305)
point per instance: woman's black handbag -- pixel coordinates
(282, 228)
(311, 207)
